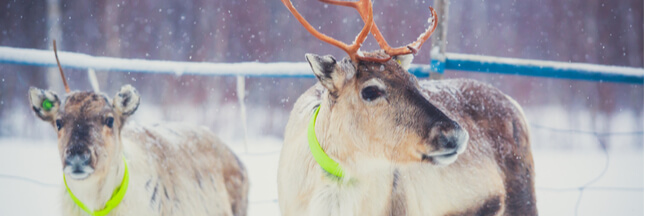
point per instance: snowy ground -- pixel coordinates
(38, 160)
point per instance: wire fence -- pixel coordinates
(588, 186)
(26, 179)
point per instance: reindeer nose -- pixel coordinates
(449, 137)
(78, 155)
(447, 142)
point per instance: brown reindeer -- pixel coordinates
(398, 146)
(173, 169)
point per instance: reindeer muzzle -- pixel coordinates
(447, 140)
(78, 162)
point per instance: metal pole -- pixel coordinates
(54, 31)
(439, 40)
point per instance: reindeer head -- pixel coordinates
(377, 111)
(373, 102)
(88, 126)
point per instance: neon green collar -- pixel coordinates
(328, 164)
(114, 201)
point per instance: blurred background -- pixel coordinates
(561, 112)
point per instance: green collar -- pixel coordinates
(114, 201)
(328, 164)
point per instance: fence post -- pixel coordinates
(241, 94)
(54, 31)
(438, 50)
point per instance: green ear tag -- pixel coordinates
(47, 104)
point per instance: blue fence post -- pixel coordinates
(437, 61)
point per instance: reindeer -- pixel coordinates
(370, 139)
(114, 168)
(172, 169)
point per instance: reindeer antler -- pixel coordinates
(364, 8)
(410, 48)
(62, 75)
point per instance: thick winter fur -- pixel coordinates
(384, 173)
(174, 169)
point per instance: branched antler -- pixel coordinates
(364, 8)
(410, 48)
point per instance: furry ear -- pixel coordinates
(404, 60)
(44, 103)
(126, 101)
(328, 72)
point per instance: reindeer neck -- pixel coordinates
(366, 185)
(95, 191)
(326, 130)
(326, 163)
(335, 142)
(366, 190)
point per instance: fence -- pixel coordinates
(451, 61)
(588, 186)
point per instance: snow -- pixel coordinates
(572, 169)
(38, 160)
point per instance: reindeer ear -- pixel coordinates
(126, 101)
(404, 60)
(327, 71)
(44, 103)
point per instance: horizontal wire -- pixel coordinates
(25, 179)
(587, 132)
(569, 189)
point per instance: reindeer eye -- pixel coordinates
(59, 124)
(371, 93)
(109, 121)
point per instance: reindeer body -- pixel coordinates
(494, 176)
(174, 169)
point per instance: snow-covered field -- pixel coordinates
(38, 160)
